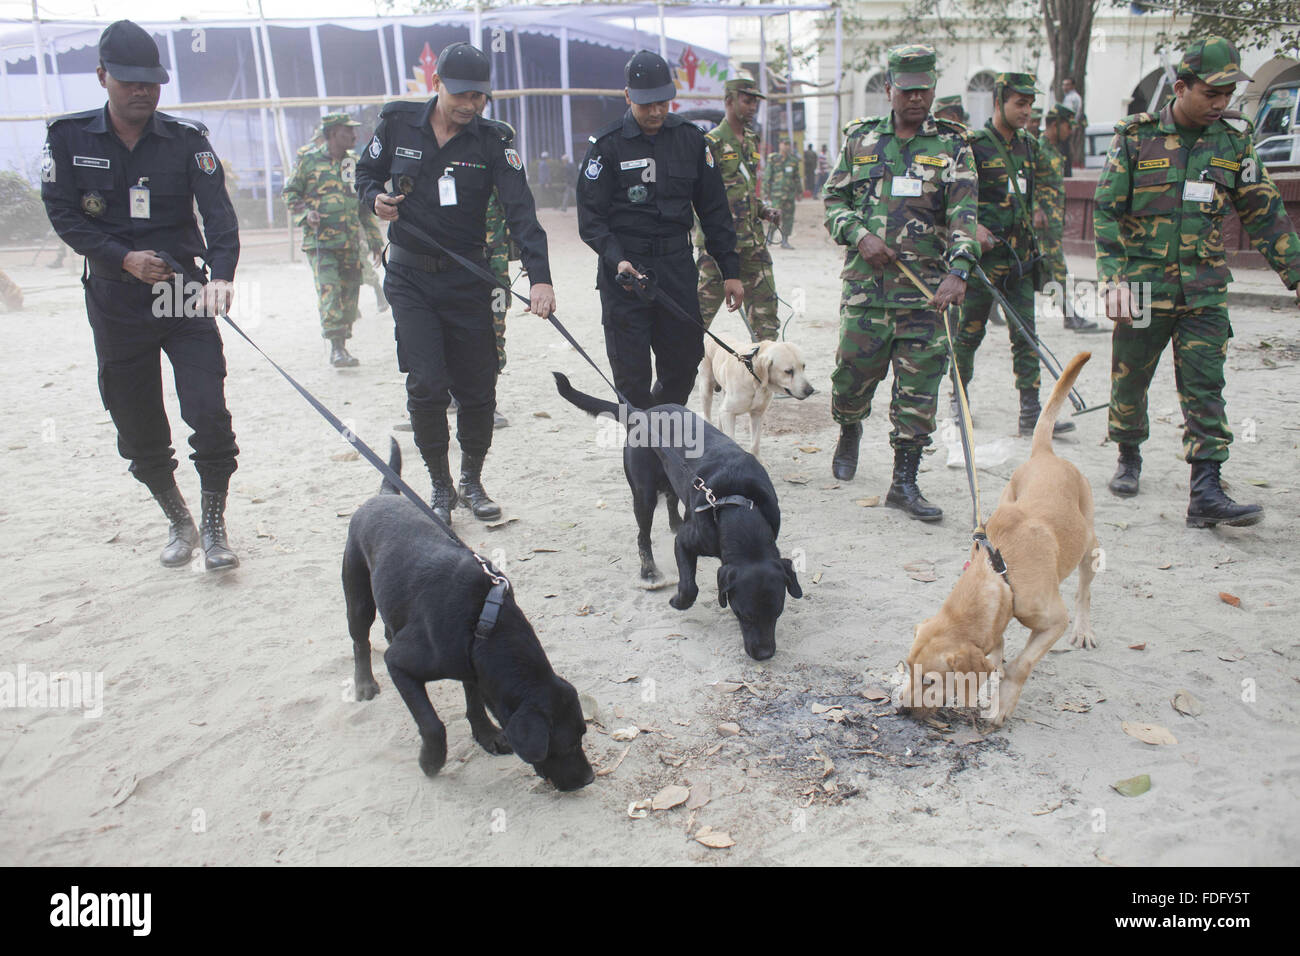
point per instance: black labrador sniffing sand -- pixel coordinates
(741, 530)
(429, 590)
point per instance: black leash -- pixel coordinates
(500, 584)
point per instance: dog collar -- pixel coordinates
(716, 503)
(995, 556)
(487, 618)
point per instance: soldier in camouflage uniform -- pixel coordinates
(735, 151)
(322, 196)
(783, 185)
(1049, 210)
(1006, 158)
(904, 187)
(1161, 199)
(950, 108)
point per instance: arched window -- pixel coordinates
(979, 97)
(877, 102)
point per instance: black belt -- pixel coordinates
(415, 260)
(656, 247)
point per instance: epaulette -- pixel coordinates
(951, 125)
(860, 121)
(402, 106)
(504, 130)
(84, 114)
(1136, 119)
(1236, 122)
(606, 130)
(183, 121)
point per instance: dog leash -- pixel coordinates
(965, 427)
(500, 584)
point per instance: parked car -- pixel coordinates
(1277, 132)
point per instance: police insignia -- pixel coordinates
(405, 185)
(512, 157)
(594, 167)
(47, 165)
(637, 194)
(93, 205)
(207, 162)
(376, 148)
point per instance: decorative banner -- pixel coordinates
(694, 75)
(423, 71)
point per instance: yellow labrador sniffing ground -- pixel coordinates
(1043, 528)
(779, 367)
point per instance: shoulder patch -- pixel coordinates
(184, 121)
(402, 106)
(504, 130)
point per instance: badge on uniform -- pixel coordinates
(446, 188)
(1198, 192)
(47, 165)
(708, 156)
(405, 185)
(901, 186)
(375, 148)
(594, 166)
(513, 158)
(348, 170)
(638, 193)
(93, 205)
(139, 194)
(207, 162)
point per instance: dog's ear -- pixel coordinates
(529, 734)
(725, 576)
(763, 365)
(791, 582)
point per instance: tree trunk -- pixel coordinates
(1069, 37)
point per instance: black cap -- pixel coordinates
(464, 68)
(648, 79)
(130, 55)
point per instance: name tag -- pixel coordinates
(139, 200)
(94, 162)
(905, 186)
(931, 161)
(634, 163)
(408, 153)
(1198, 192)
(446, 188)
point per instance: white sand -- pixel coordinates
(228, 734)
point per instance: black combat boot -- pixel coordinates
(1209, 506)
(339, 355)
(1125, 482)
(1077, 323)
(217, 555)
(182, 536)
(471, 489)
(904, 493)
(443, 497)
(1029, 412)
(844, 463)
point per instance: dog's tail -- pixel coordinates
(386, 487)
(1047, 417)
(588, 403)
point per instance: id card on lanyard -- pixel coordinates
(447, 188)
(139, 194)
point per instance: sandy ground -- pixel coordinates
(228, 735)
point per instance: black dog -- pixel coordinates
(753, 576)
(429, 590)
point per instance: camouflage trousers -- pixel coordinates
(873, 339)
(787, 217)
(500, 267)
(10, 294)
(371, 278)
(338, 282)
(974, 320)
(1200, 336)
(760, 292)
(1053, 267)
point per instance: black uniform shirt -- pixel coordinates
(87, 173)
(481, 157)
(642, 187)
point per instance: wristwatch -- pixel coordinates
(960, 271)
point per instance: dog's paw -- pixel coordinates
(494, 743)
(367, 689)
(433, 754)
(1083, 639)
(683, 599)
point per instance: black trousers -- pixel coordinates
(634, 329)
(129, 339)
(445, 341)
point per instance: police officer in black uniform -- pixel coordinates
(444, 160)
(119, 185)
(636, 189)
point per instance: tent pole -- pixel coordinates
(835, 103)
(383, 60)
(763, 111)
(523, 100)
(566, 104)
(318, 67)
(176, 67)
(789, 81)
(663, 37)
(266, 132)
(40, 59)
(399, 54)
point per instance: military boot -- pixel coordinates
(1077, 323)
(1209, 506)
(182, 536)
(1125, 482)
(904, 493)
(339, 355)
(844, 463)
(471, 489)
(443, 497)
(1029, 412)
(217, 555)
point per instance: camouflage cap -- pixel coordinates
(949, 102)
(1017, 83)
(1060, 113)
(1213, 60)
(911, 67)
(1036, 113)
(330, 120)
(744, 84)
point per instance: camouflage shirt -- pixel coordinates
(864, 195)
(328, 186)
(498, 236)
(738, 160)
(1000, 210)
(1049, 184)
(1159, 208)
(784, 174)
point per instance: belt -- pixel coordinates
(416, 260)
(656, 247)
